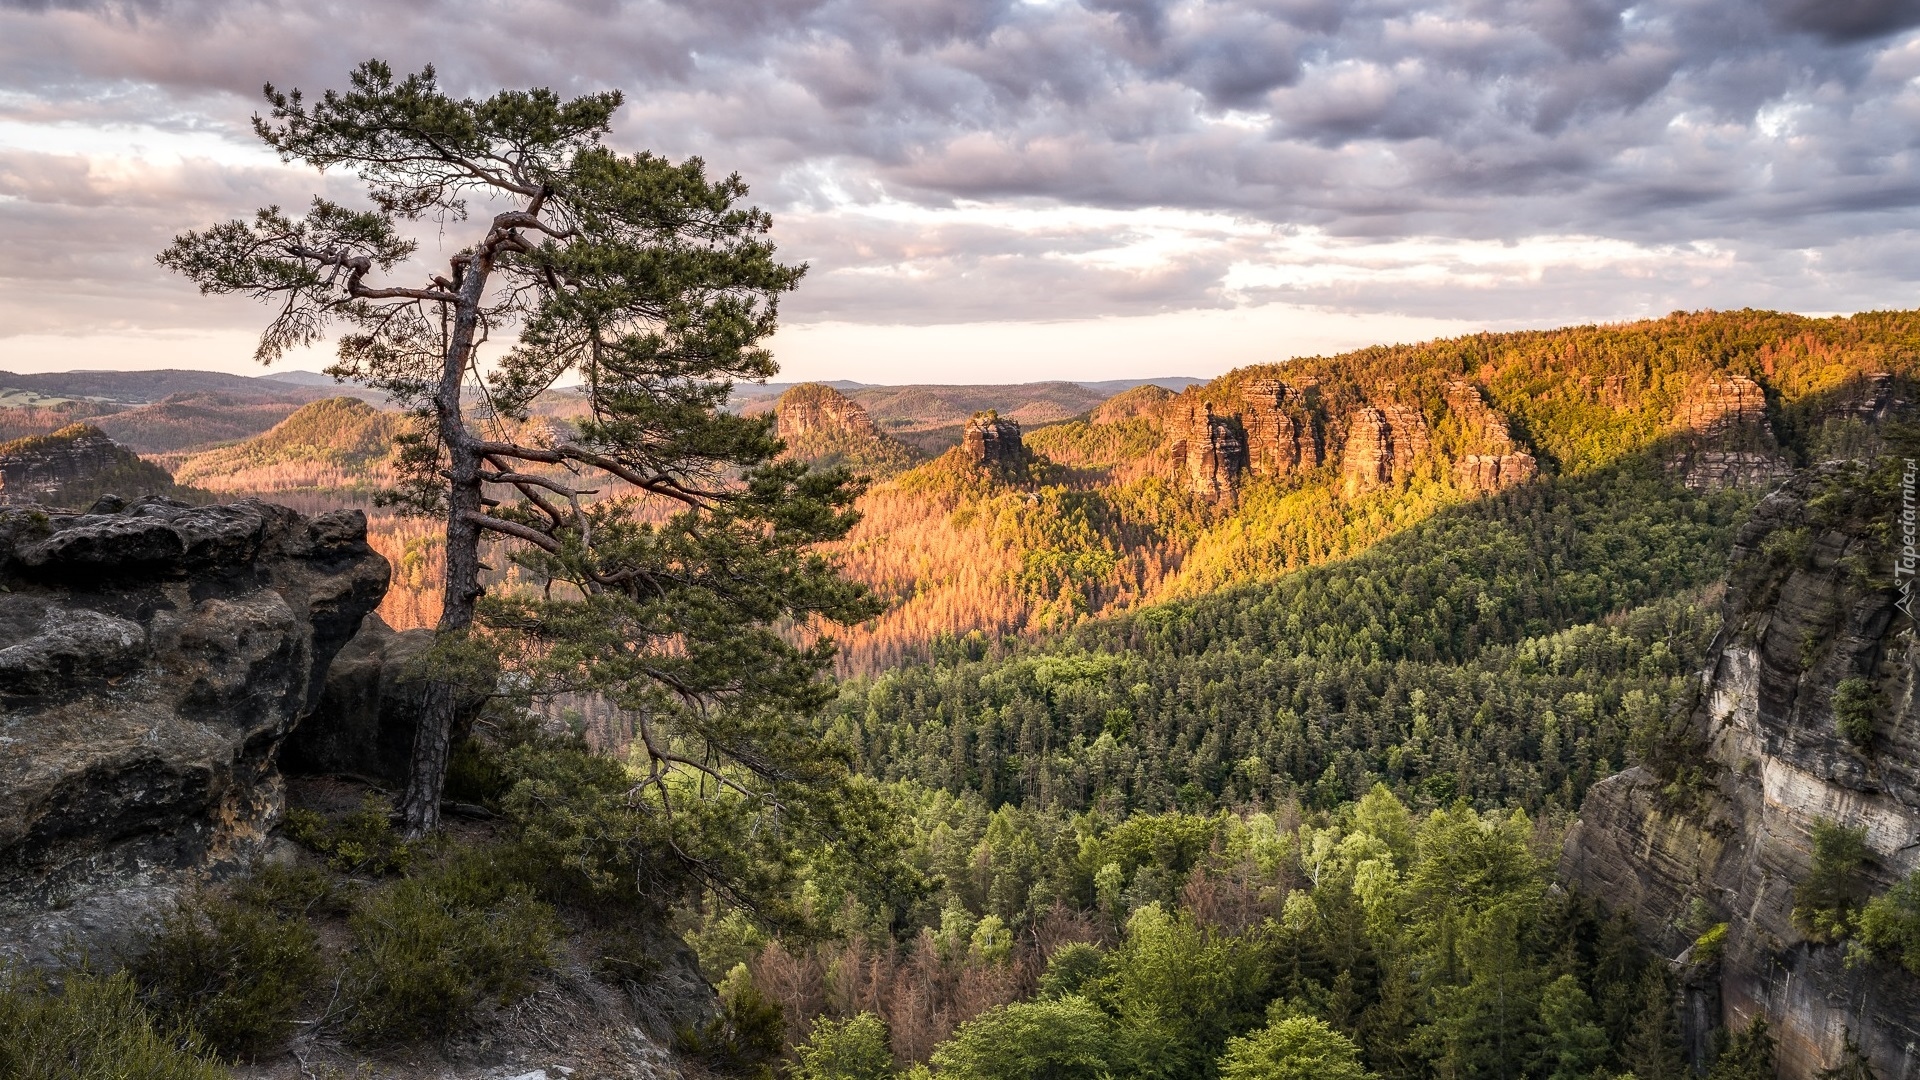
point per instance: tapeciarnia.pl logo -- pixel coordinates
(1904, 564)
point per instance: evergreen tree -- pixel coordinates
(663, 540)
(1745, 1055)
(1652, 1051)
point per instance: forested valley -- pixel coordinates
(1144, 773)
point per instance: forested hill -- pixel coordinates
(1505, 650)
(1271, 469)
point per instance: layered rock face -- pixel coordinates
(990, 440)
(1209, 451)
(815, 409)
(1382, 443)
(1806, 608)
(38, 466)
(1283, 432)
(151, 662)
(1495, 460)
(1272, 429)
(1729, 442)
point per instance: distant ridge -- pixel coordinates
(297, 377)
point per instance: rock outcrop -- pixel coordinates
(1282, 428)
(990, 440)
(816, 409)
(1726, 438)
(1807, 608)
(1493, 459)
(151, 662)
(50, 468)
(1382, 443)
(1269, 429)
(825, 427)
(362, 725)
(1209, 451)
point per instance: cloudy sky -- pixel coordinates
(1002, 189)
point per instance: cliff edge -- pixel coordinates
(1806, 723)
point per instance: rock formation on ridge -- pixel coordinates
(1807, 608)
(1493, 460)
(72, 462)
(1727, 438)
(821, 425)
(990, 440)
(151, 661)
(1382, 443)
(1271, 429)
(1209, 450)
(818, 409)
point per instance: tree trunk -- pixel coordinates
(432, 738)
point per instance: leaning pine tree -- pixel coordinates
(662, 544)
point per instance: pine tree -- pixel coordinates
(665, 540)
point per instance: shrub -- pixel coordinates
(361, 842)
(1824, 904)
(1064, 1039)
(1854, 703)
(1708, 946)
(94, 1029)
(234, 973)
(1296, 1048)
(1890, 924)
(855, 1049)
(746, 1038)
(289, 891)
(430, 949)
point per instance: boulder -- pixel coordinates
(152, 661)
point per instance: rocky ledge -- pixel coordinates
(1722, 834)
(153, 657)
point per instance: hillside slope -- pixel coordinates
(1270, 469)
(336, 444)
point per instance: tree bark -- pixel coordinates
(432, 738)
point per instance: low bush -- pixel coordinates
(430, 949)
(745, 1039)
(235, 973)
(856, 1049)
(94, 1029)
(362, 842)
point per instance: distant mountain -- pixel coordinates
(1176, 383)
(142, 387)
(297, 377)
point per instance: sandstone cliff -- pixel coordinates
(1269, 429)
(1382, 443)
(73, 465)
(1493, 459)
(990, 440)
(819, 409)
(1725, 829)
(1727, 438)
(151, 662)
(821, 425)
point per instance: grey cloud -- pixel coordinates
(1842, 21)
(1769, 128)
